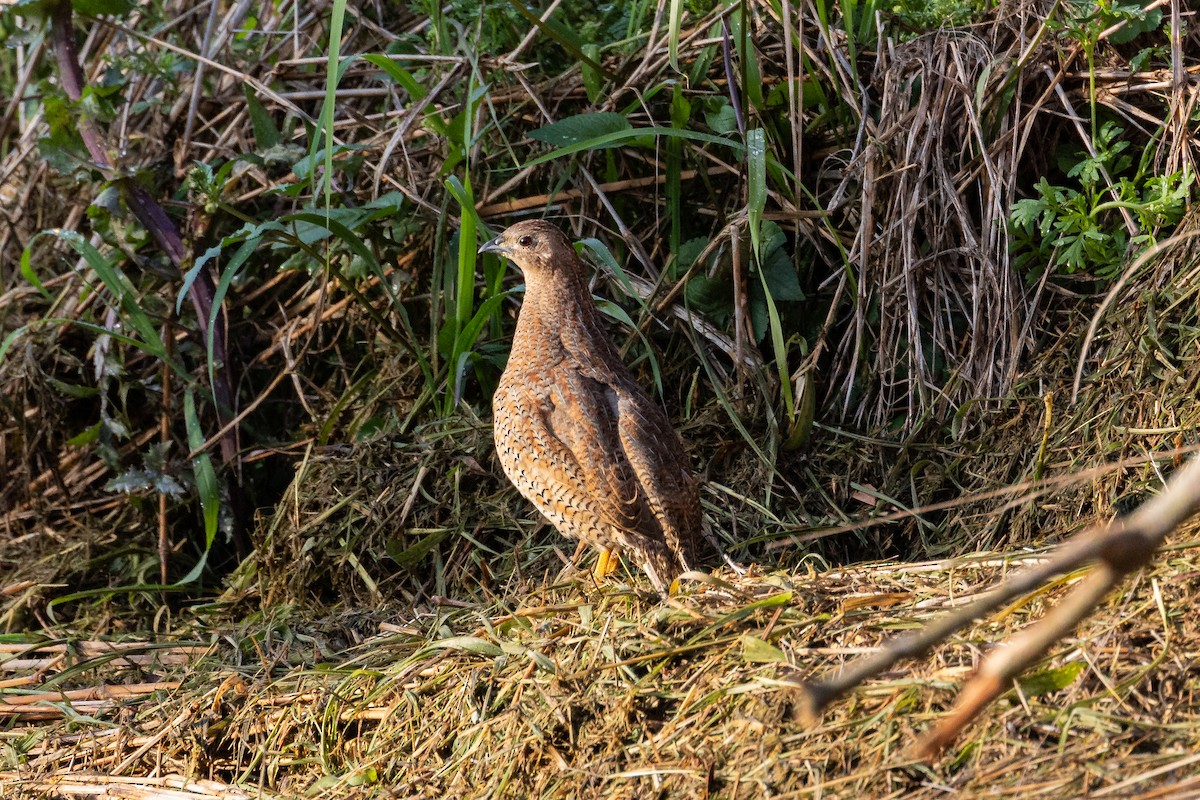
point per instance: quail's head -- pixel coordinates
(534, 245)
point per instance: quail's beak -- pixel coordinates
(495, 246)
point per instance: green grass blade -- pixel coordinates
(617, 138)
(464, 287)
(206, 476)
(334, 70)
(123, 292)
(674, 17)
(227, 277)
(756, 183)
(29, 275)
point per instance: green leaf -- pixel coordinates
(778, 269)
(757, 651)
(712, 297)
(407, 556)
(1136, 23)
(468, 644)
(330, 223)
(71, 390)
(398, 74)
(266, 134)
(97, 8)
(206, 475)
(335, 68)
(29, 275)
(756, 181)
(613, 310)
(464, 288)
(722, 119)
(118, 285)
(674, 15)
(593, 79)
(633, 134)
(86, 436)
(470, 332)
(1051, 680)
(227, 277)
(581, 128)
(1025, 213)
(601, 252)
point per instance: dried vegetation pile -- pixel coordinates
(380, 615)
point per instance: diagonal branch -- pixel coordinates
(1119, 548)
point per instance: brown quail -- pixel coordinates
(575, 432)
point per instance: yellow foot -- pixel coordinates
(606, 563)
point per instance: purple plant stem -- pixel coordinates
(152, 216)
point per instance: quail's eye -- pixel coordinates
(525, 241)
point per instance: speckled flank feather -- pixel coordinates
(575, 432)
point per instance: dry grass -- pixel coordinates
(405, 628)
(563, 690)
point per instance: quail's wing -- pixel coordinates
(583, 417)
(563, 454)
(659, 463)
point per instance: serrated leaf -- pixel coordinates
(155, 458)
(129, 481)
(721, 120)
(71, 390)
(166, 484)
(580, 128)
(712, 297)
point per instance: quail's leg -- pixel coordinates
(607, 562)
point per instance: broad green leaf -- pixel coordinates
(722, 119)
(581, 128)
(266, 134)
(1051, 680)
(757, 651)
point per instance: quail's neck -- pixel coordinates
(558, 300)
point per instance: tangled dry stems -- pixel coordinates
(488, 674)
